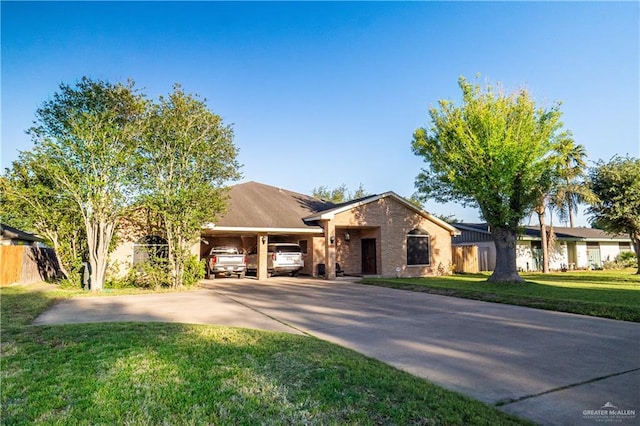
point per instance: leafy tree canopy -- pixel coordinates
(494, 152)
(186, 157)
(30, 201)
(103, 149)
(84, 140)
(340, 194)
(617, 186)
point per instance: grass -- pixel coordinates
(160, 373)
(607, 294)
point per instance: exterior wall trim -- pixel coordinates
(308, 230)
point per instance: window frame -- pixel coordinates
(152, 247)
(418, 234)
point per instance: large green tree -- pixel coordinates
(617, 186)
(30, 200)
(494, 152)
(84, 141)
(185, 159)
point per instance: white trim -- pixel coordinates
(576, 239)
(266, 230)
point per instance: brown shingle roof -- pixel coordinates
(254, 204)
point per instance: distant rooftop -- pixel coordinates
(10, 233)
(560, 231)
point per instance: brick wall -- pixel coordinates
(389, 222)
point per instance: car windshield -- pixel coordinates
(288, 249)
(228, 250)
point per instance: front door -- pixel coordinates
(593, 254)
(369, 256)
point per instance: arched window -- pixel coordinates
(418, 247)
(149, 248)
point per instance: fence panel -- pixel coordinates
(465, 259)
(26, 264)
(10, 264)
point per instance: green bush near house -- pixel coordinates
(627, 259)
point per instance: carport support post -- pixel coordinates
(330, 249)
(262, 273)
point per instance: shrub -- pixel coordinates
(193, 271)
(150, 274)
(626, 259)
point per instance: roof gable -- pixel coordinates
(330, 213)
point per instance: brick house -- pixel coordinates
(382, 235)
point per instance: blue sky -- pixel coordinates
(331, 92)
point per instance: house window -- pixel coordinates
(148, 248)
(624, 246)
(418, 247)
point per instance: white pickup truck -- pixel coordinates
(225, 261)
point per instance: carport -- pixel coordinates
(259, 214)
(246, 238)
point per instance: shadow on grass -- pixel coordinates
(22, 304)
(613, 303)
(157, 373)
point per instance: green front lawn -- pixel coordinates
(158, 373)
(608, 294)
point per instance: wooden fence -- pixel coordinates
(465, 259)
(26, 264)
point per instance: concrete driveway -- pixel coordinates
(553, 368)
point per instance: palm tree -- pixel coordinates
(570, 190)
(541, 210)
(566, 191)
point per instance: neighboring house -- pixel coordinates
(383, 235)
(10, 236)
(25, 258)
(574, 248)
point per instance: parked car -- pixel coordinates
(225, 261)
(281, 258)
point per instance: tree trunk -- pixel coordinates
(545, 245)
(171, 250)
(506, 270)
(99, 234)
(179, 264)
(571, 216)
(63, 269)
(635, 238)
